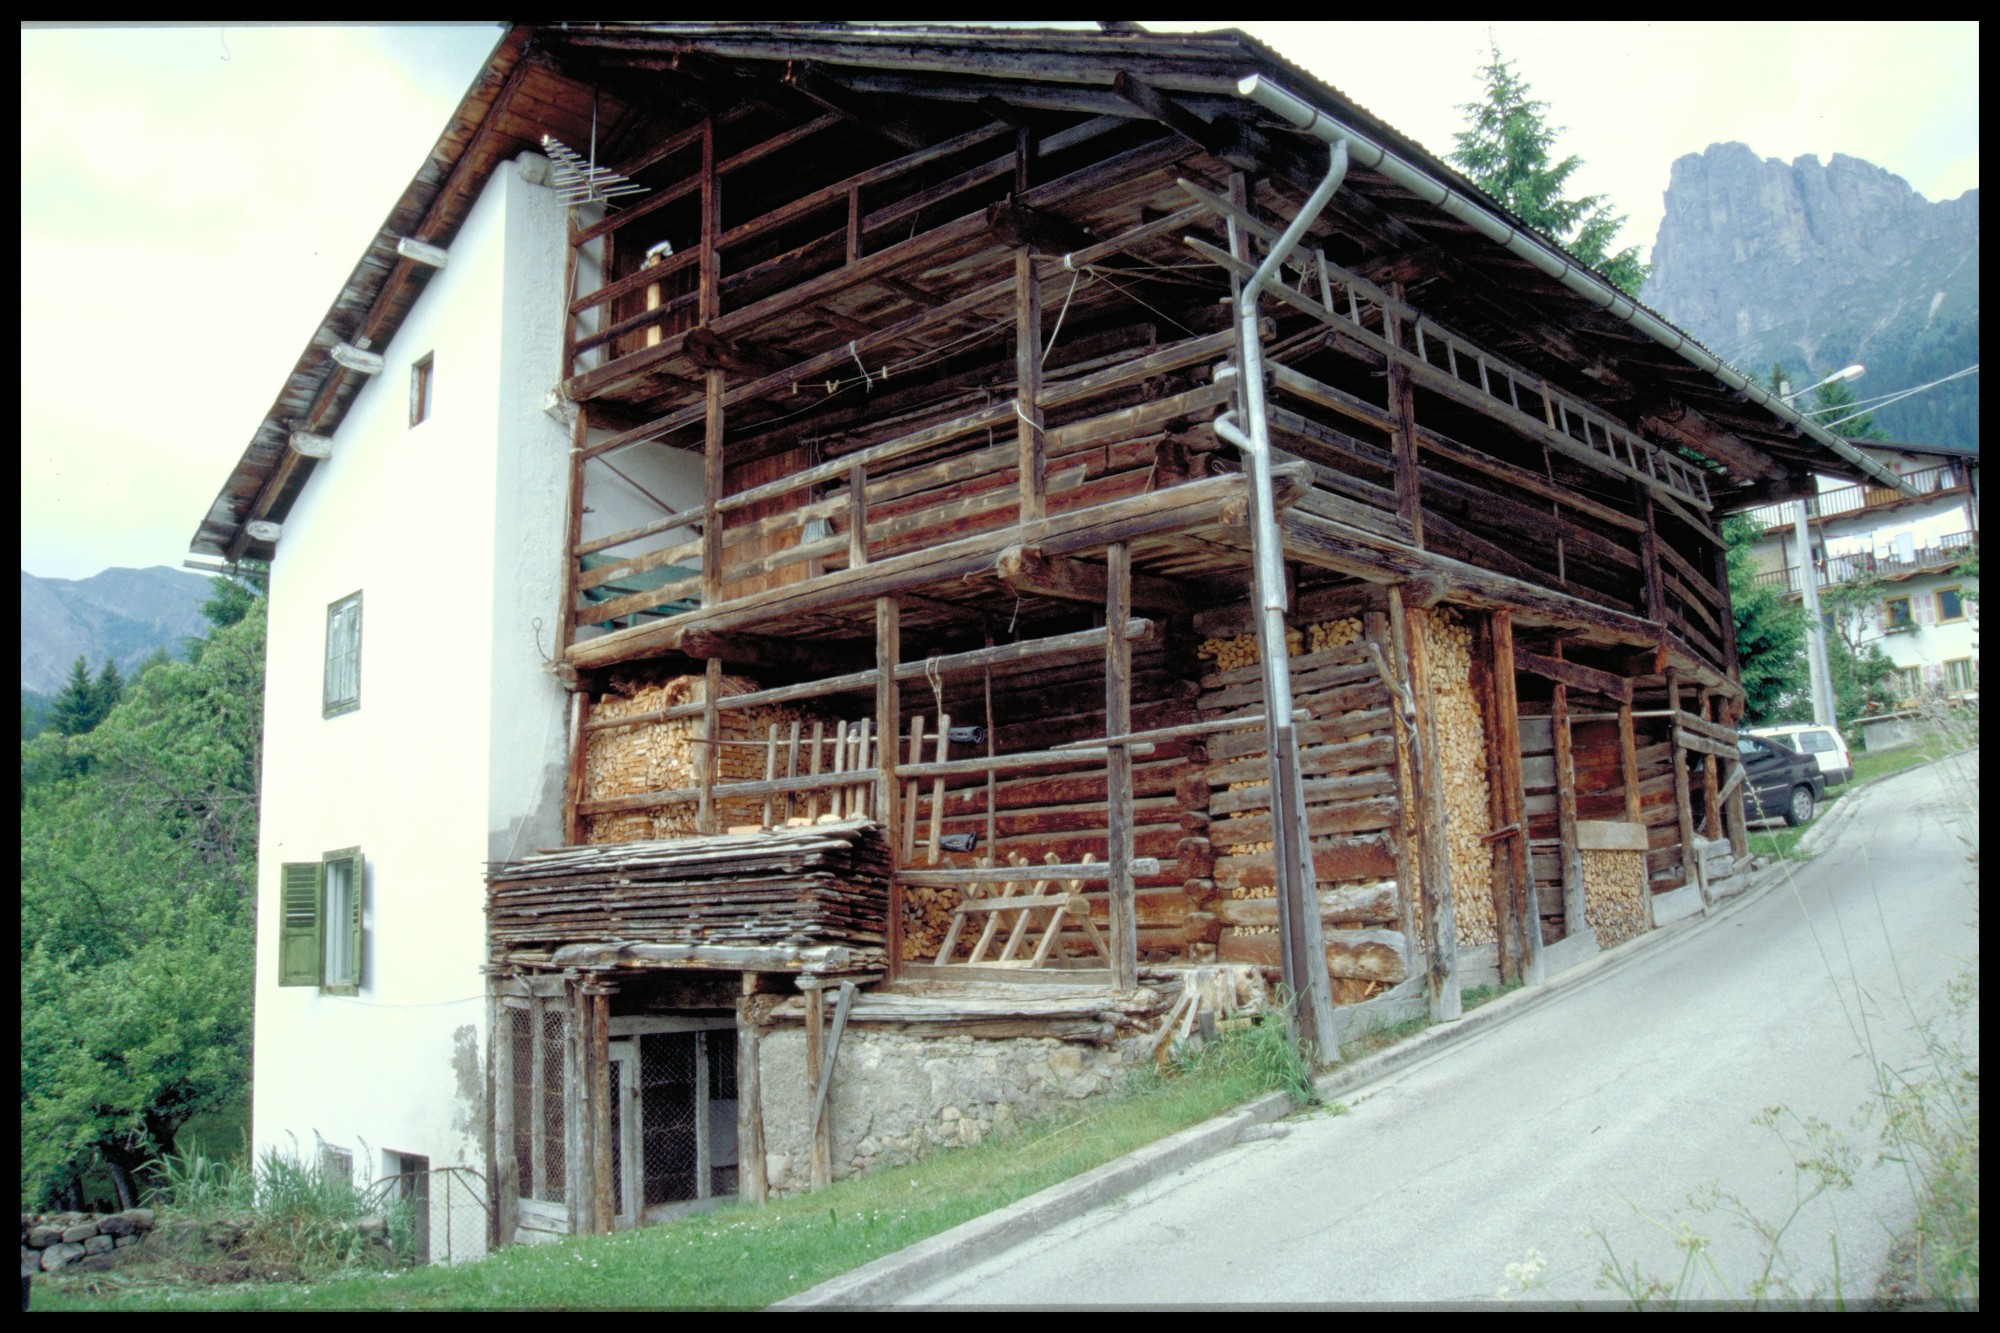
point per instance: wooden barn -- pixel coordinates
(966, 426)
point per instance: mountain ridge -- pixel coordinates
(1820, 265)
(121, 615)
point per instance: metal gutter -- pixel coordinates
(1561, 267)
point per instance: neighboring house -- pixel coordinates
(858, 482)
(1905, 552)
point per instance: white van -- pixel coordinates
(1824, 744)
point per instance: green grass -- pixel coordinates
(744, 1257)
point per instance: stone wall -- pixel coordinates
(51, 1241)
(897, 1096)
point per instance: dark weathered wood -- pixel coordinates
(1032, 461)
(1118, 769)
(706, 760)
(579, 748)
(1712, 812)
(1402, 406)
(1033, 574)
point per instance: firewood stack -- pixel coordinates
(1461, 742)
(657, 756)
(822, 884)
(1614, 895)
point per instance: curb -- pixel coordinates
(882, 1281)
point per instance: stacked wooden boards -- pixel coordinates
(826, 884)
(1347, 756)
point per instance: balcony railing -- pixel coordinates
(1949, 551)
(1843, 500)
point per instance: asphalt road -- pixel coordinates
(1582, 1128)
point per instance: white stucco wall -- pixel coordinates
(452, 532)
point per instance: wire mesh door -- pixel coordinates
(669, 1078)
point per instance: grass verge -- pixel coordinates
(744, 1257)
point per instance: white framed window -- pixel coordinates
(343, 656)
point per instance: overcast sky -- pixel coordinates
(192, 199)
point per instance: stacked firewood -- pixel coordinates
(666, 755)
(1461, 742)
(927, 916)
(822, 884)
(1614, 895)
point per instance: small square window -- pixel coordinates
(1896, 613)
(1951, 606)
(343, 656)
(420, 388)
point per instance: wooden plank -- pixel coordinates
(1078, 870)
(753, 1168)
(1690, 862)
(597, 1081)
(816, 1074)
(1493, 693)
(1711, 798)
(1402, 406)
(1628, 763)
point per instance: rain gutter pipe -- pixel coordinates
(1562, 268)
(1301, 941)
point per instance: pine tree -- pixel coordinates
(75, 711)
(110, 688)
(1506, 151)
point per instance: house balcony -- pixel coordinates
(1948, 553)
(1849, 501)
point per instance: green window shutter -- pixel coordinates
(354, 923)
(298, 924)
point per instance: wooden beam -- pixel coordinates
(597, 1078)
(1628, 763)
(872, 114)
(1118, 770)
(1032, 574)
(819, 1125)
(1711, 812)
(1575, 675)
(766, 653)
(1683, 807)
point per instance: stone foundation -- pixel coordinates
(897, 1096)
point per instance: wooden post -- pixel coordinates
(1403, 407)
(1732, 811)
(1118, 768)
(1404, 837)
(597, 1081)
(1033, 461)
(576, 1109)
(502, 1170)
(579, 713)
(579, 437)
(1649, 558)
(538, 1121)
(1711, 806)
(1628, 764)
(1440, 929)
(821, 1126)
(1684, 807)
(1518, 927)
(753, 1171)
(709, 757)
(1574, 922)
(888, 725)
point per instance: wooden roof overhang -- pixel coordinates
(905, 85)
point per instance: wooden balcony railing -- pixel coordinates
(1844, 500)
(1949, 551)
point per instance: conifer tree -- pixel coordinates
(1506, 150)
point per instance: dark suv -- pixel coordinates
(1779, 783)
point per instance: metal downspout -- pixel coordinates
(1301, 940)
(1569, 272)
